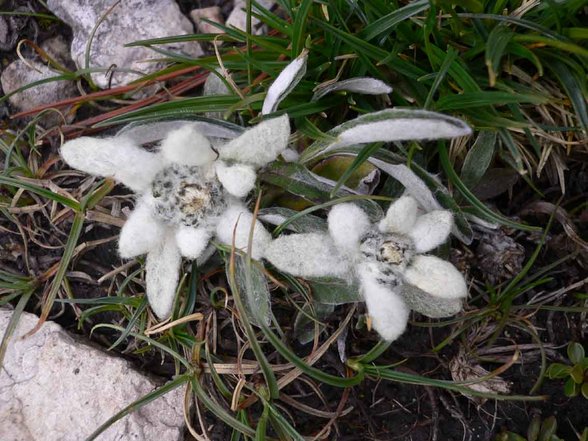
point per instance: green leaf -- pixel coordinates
(558, 370)
(576, 352)
(332, 291)
(481, 209)
(180, 108)
(253, 284)
(548, 429)
(585, 390)
(571, 388)
(386, 23)
(574, 86)
(21, 183)
(534, 428)
(478, 158)
(304, 325)
(13, 323)
(304, 224)
(365, 153)
(296, 179)
(496, 44)
(268, 373)
(484, 98)
(577, 373)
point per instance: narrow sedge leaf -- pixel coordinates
(363, 85)
(284, 83)
(478, 158)
(486, 98)
(19, 183)
(390, 125)
(482, 210)
(13, 322)
(495, 49)
(389, 21)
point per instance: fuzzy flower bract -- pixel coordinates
(386, 260)
(188, 192)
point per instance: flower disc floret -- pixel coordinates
(187, 195)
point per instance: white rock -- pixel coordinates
(18, 74)
(238, 16)
(212, 13)
(129, 21)
(53, 387)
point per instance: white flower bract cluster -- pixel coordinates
(187, 193)
(385, 259)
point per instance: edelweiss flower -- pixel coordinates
(385, 260)
(187, 193)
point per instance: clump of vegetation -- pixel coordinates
(575, 373)
(513, 70)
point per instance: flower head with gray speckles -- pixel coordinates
(188, 192)
(385, 259)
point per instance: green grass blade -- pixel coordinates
(386, 23)
(482, 210)
(15, 182)
(13, 322)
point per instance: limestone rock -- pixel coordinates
(128, 21)
(19, 73)
(53, 387)
(212, 13)
(238, 17)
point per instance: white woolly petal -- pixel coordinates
(141, 232)
(261, 144)
(192, 241)
(400, 217)
(347, 224)
(284, 83)
(240, 217)
(431, 230)
(187, 146)
(307, 255)
(290, 155)
(386, 308)
(400, 125)
(238, 179)
(426, 304)
(117, 157)
(437, 277)
(365, 85)
(162, 274)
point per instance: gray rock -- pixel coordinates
(238, 16)
(19, 74)
(58, 49)
(129, 21)
(212, 13)
(53, 387)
